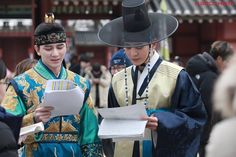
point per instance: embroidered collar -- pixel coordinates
(45, 72)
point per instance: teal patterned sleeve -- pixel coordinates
(89, 141)
(13, 103)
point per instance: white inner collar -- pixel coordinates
(142, 76)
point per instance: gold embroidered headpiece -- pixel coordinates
(49, 32)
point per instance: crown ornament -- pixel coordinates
(49, 18)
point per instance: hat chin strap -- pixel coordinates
(150, 52)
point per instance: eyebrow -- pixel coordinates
(48, 46)
(134, 44)
(61, 44)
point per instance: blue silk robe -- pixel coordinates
(173, 99)
(72, 135)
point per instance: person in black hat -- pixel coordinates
(68, 135)
(119, 61)
(174, 106)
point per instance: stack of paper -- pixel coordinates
(64, 96)
(31, 129)
(123, 123)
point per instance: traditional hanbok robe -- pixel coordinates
(71, 135)
(172, 98)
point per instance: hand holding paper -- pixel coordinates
(64, 96)
(123, 122)
(152, 123)
(42, 113)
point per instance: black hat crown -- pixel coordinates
(137, 27)
(135, 18)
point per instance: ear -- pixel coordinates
(220, 63)
(156, 46)
(219, 59)
(67, 47)
(234, 102)
(36, 47)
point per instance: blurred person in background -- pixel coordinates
(223, 138)
(9, 133)
(204, 70)
(176, 60)
(10, 74)
(119, 61)
(100, 79)
(3, 83)
(25, 65)
(74, 60)
(9, 124)
(80, 68)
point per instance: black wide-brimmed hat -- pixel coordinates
(137, 27)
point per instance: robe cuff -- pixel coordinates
(28, 119)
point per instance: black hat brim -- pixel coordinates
(162, 26)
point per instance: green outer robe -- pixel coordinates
(71, 135)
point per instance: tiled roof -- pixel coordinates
(198, 9)
(182, 9)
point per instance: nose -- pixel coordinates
(116, 70)
(54, 52)
(113, 71)
(134, 52)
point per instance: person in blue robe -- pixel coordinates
(176, 114)
(67, 135)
